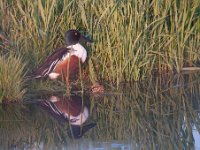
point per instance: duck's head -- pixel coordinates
(73, 37)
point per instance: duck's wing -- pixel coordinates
(50, 63)
(53, 110)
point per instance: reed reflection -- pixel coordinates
(160, 112)
(157, 114)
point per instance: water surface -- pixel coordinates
(159, 113)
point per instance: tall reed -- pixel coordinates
(12, 84)
(132, 39)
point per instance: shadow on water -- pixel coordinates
(160, 113)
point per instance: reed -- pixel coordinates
(12, 84)
(132, 39)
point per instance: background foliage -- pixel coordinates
(132, 39)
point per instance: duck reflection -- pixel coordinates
(72, 109)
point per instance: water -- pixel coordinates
(161, 113)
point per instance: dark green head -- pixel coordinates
(73, 37)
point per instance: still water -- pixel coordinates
(160, 113)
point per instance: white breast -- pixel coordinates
(79, 51)
(80, 119)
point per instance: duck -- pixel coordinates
(66, 60)
(71, 109)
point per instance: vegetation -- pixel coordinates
(11, 78)
(132, 39)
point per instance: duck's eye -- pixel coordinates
(76, 33)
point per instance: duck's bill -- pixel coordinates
(86, 39)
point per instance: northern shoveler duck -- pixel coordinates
(71, 109)
(65, 60)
